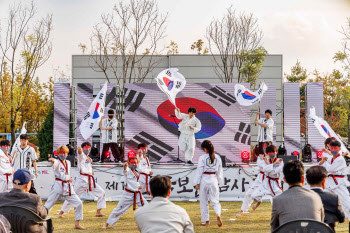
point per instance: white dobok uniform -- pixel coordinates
(187, 141)
(208, 176)
(86, 181)
(271, 184)
(131, 196)
(63, 188)
(248, 200)
(337, 180)
(5, 172)
(144, 167)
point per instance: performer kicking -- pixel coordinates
(131, 194)
(144, 167)
(207, 179)
(273, 170)
(86, 181)
(248, 200)
(62, 186)
(24, 156)
(188, 127)
(265, 131)
(6, 169)
(337, 176)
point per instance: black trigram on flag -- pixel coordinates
(129, 99)
(243, 134)
(221, 95)
(156, 151)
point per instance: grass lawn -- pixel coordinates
(258, 221)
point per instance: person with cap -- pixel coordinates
(86, 181)
(132, 195)
(337, 176)
(144, 167)
(109, 131)
(189, 125)
(62, 186)
(19, 196)
(265, 131)
(6, 169)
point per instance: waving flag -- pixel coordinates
(323, 127)
(92, 118)
(246, 97)
(171, 82)
(17, 142)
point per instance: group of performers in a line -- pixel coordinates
(137, 173)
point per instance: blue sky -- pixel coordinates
(307, 30)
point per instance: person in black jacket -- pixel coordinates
(316, 177)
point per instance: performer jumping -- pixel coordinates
(248, 200)
(188, 127)
(265, 131)
(337, 176)
(209, 175)
(86, 181)
(62, 186)
(132, 195)
(144, 167)
(6, 169)
(271, 184)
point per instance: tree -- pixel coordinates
(45, 135)
(24, 46)
(198, 45)
(229, 37)
(173, 48)
(253, 61)
(343, 56)
(124, 45)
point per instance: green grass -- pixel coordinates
(258, 221)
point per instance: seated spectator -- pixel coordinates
(20, 196)
(296, 202)
(316, 177)
(161, 215)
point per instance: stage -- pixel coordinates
(236, 182)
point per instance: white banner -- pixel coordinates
(171, 82)
(17, 142)
(246, 97)
(323, 127)
(92, 118)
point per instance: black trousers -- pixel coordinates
(115, 152)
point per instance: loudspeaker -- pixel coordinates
(287, 158)
(223, 160)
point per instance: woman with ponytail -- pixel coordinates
(208, 177)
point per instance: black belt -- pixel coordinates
(146, 175)
(263, 176)
(334, 177)
(209, 173)
(274, 179)
(135, 195)
(90, 177)
(65, 181)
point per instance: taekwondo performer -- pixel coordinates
(86, 181)
(144, 167)
(272, 170)
(248, 200)
(6, 169)
(209, 175)
(62, 186)
(337, 176)
(131, 194)
(265, 131)
(188, 127)
(24, 156)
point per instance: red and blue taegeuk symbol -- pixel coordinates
(248, 96)
(210, 119)
(326, 130)
(168, 83)
(96, 114)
